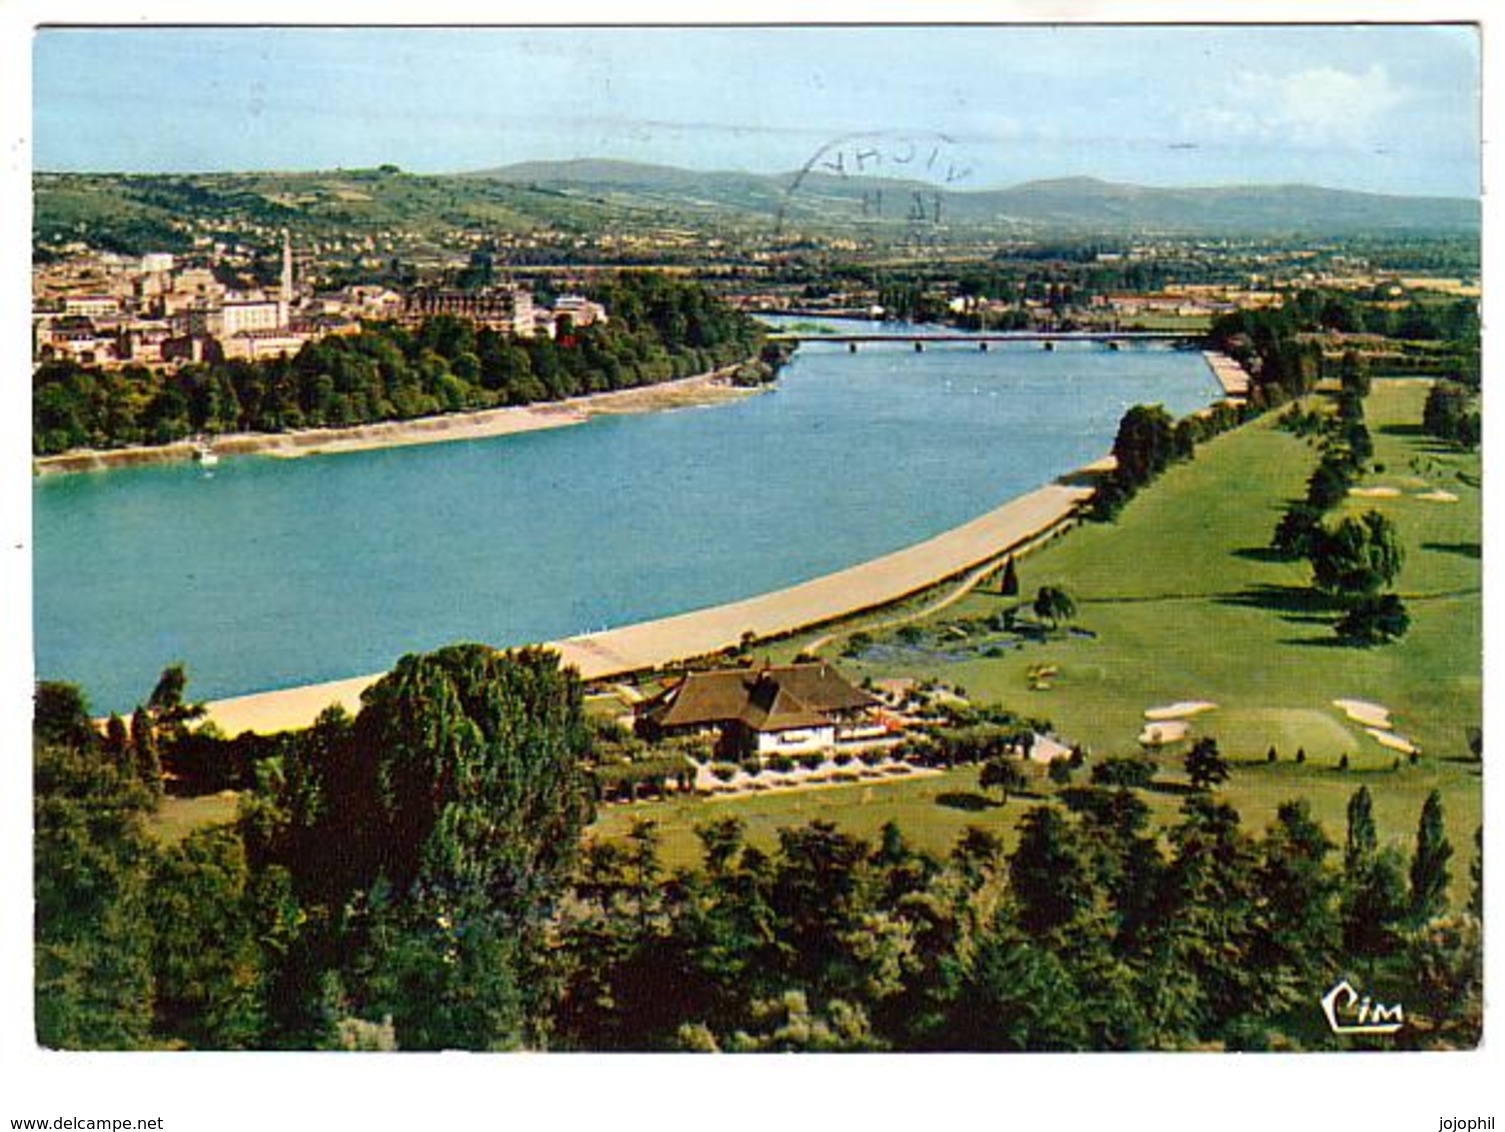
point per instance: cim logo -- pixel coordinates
(1349, 1013)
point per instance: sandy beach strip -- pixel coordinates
(655, 644)
(1233, 377)
(700, 389)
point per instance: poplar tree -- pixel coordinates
(1009, 586)
(1429, 864)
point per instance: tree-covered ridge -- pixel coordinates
(414, 878)
(660, 329)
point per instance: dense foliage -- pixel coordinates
(660, 328)
(1452, 414)
(414, 878)
(1150, 440)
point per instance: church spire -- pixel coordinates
(287, 269)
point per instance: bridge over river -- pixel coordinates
(1113, 339)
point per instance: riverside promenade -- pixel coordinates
(658, 643)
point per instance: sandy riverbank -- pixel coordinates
(701, 389)
(1233, 377)
(652, 644)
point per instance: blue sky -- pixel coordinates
(1388, 109)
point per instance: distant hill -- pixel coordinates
(139, 212)
(1080, 203)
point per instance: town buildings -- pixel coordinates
(100, 308)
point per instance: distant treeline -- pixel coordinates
(659, 329)
(1438, 339)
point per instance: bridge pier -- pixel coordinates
(851, 347)
(919, 346)
(983, 347)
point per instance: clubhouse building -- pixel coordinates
(791, 709)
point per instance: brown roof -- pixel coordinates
(773, 707)
(772, 698)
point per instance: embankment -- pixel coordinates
(653, 644)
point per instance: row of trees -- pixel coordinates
(1354, 561)
(660, 328)
(415, 878)
(1281, 345)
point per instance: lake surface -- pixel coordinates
(265, 572)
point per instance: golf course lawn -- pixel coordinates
(1182, 601)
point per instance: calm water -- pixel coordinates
(266, 572)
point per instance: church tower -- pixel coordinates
(285, 294)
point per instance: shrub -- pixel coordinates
(783, 764)
(873, 757)
(724, 772)
(842, 758)
(1131, 772)
(1271, 755)
(752, 766)
(1301, 754)
(1374, 620)
(812, 760)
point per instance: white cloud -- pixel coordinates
(1320, 106)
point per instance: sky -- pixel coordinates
(1377, 108)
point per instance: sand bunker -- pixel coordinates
(1438, 496)
(1374, 492)
(1393, 741)
(1178, 709)
(1159, 734)
(1047, 750)
(1362, 711)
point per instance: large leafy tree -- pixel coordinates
(1360, 556)
(1001, 774)
(208, 953)
(1145, 444)
(1374, 619)
(93, 862)
(439, 827)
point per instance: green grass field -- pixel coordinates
(176, 818)
(1185, 604)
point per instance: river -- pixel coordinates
(264, 573)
